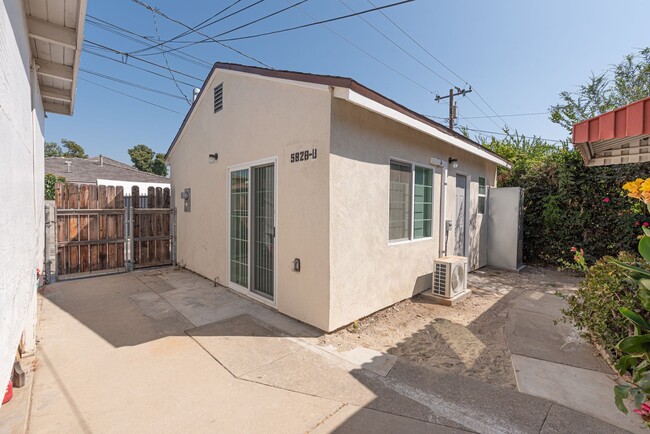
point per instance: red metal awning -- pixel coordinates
(616, 137)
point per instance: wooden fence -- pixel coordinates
(152, 231)
(98, 232)
(90, 228)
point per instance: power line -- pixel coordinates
(203, 24)
(396, 44)
(236, 28)
(445, 66)
(367, 53)
(86, 50)
(126, 56)
(303, 26)
(124, 33)
(171, 74)
(130, 96)
(483, 117)
(507, 134)
(128, 83)
(157, 11)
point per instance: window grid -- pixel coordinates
(239, 227)
(482, 195)
(410, 202)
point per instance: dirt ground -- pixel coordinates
(466, 339)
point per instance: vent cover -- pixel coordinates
(440, 279)
(218, 98)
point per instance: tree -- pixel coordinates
(52, 149)
(74, 150)
(621, 84)
(146, 160)
(50, 185)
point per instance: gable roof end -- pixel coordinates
(398, 111)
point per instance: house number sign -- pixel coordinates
(304, 155)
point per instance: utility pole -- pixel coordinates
(452, 107)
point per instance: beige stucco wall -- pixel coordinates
(261, 118)
(367, 273)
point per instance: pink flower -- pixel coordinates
(573, 249)
(646, 224)
(606, 200)
(636, 223)
(645, 410)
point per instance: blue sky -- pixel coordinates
(518, 55)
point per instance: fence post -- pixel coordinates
(50, 254)
(172, 223)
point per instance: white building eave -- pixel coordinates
(353, 97)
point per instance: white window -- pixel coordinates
(482, 195)
(410, 202)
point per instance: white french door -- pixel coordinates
(252, 216)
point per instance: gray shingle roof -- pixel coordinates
(88, 170)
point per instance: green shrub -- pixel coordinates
(50, 185)
(569, 205)
(594, 307)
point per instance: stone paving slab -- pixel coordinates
(540, 302)
(590, 392)
(243, 344)
(535, 335)
(561, 420)
(166, 319)
(352, 419)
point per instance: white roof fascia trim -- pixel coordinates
(81, 21)
(313, 86)
(360, 100)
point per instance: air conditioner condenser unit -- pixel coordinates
(449, 281)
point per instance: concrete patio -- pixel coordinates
(167, 351)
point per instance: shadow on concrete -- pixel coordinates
(458, 400)
(133, 308)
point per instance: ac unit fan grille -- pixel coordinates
(440, 279)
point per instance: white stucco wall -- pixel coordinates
(261, 118)
(367, 273)
(21, 181)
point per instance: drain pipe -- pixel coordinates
(442, 237)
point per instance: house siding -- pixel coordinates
(367, 273)
(21, 194)
(261, 118)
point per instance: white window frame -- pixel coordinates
(482, 195)
(413, 165)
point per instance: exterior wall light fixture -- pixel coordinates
(453, 162)
(212, 158)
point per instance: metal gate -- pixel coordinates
(99, 230)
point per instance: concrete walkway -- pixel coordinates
(167, 351)
(552, 361)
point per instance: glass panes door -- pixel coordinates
(252, 229)
(239, 181)
(264, 229)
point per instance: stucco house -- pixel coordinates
(40, 48)
(320, 197)
(103, 171)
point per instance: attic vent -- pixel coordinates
(218, 98)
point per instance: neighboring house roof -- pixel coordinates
(56, 30)
(422, 122)
(617, 137)
(88, 170)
